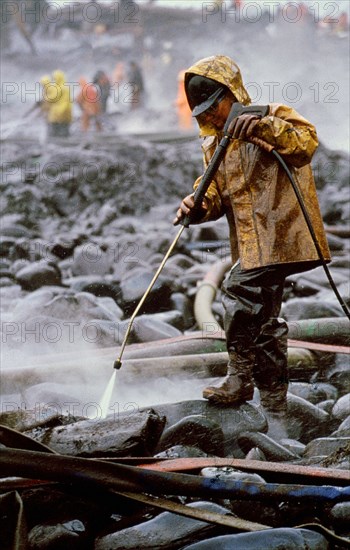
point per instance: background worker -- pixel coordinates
(135, 81)
(268, 234)
(89, 101)
(103, 84)
(184, 113)
(59, 100)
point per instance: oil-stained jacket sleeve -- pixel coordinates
(291, 135)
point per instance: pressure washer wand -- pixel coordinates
(185, 222)
(118, 362)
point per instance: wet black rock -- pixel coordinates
(341, 407)
(309, 308)
(135, 434)
(313, 392)
(165, 531)
(63, 248)
(343, 429)
(325, 446)
(73, 180)
(100, 288)
(340, 516)
(181, 451)
(134, 287)
(6, 244)
(183, 304)
(272, 450)
(339, 459)
(15, 230)
(44, 417)
(149, 328)
(197, 431)
(71, 534)
(38, 274)
(306, 421)
(338, 375)
(273, 539)
(91, 259)
(335, 243)
(233, 421)
(66, 305)
(266, 513)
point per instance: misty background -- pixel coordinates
(282, 58)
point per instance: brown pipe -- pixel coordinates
(271, 470)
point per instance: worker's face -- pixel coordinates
(217, 114)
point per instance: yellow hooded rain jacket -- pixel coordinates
(58, 97)
(266, 223)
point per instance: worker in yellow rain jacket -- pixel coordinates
(60, 106)
(269, 237)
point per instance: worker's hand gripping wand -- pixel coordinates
(236, 110)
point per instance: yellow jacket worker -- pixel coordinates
(60, 106)
(268, 234)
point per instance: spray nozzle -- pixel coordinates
(117, 364)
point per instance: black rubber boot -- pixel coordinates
(237, 387)
(274, 403)
(274, 399)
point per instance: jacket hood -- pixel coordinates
(45, 80)
(59, 77)
(224, 70)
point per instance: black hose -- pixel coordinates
(121, 477)
(312, 233)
